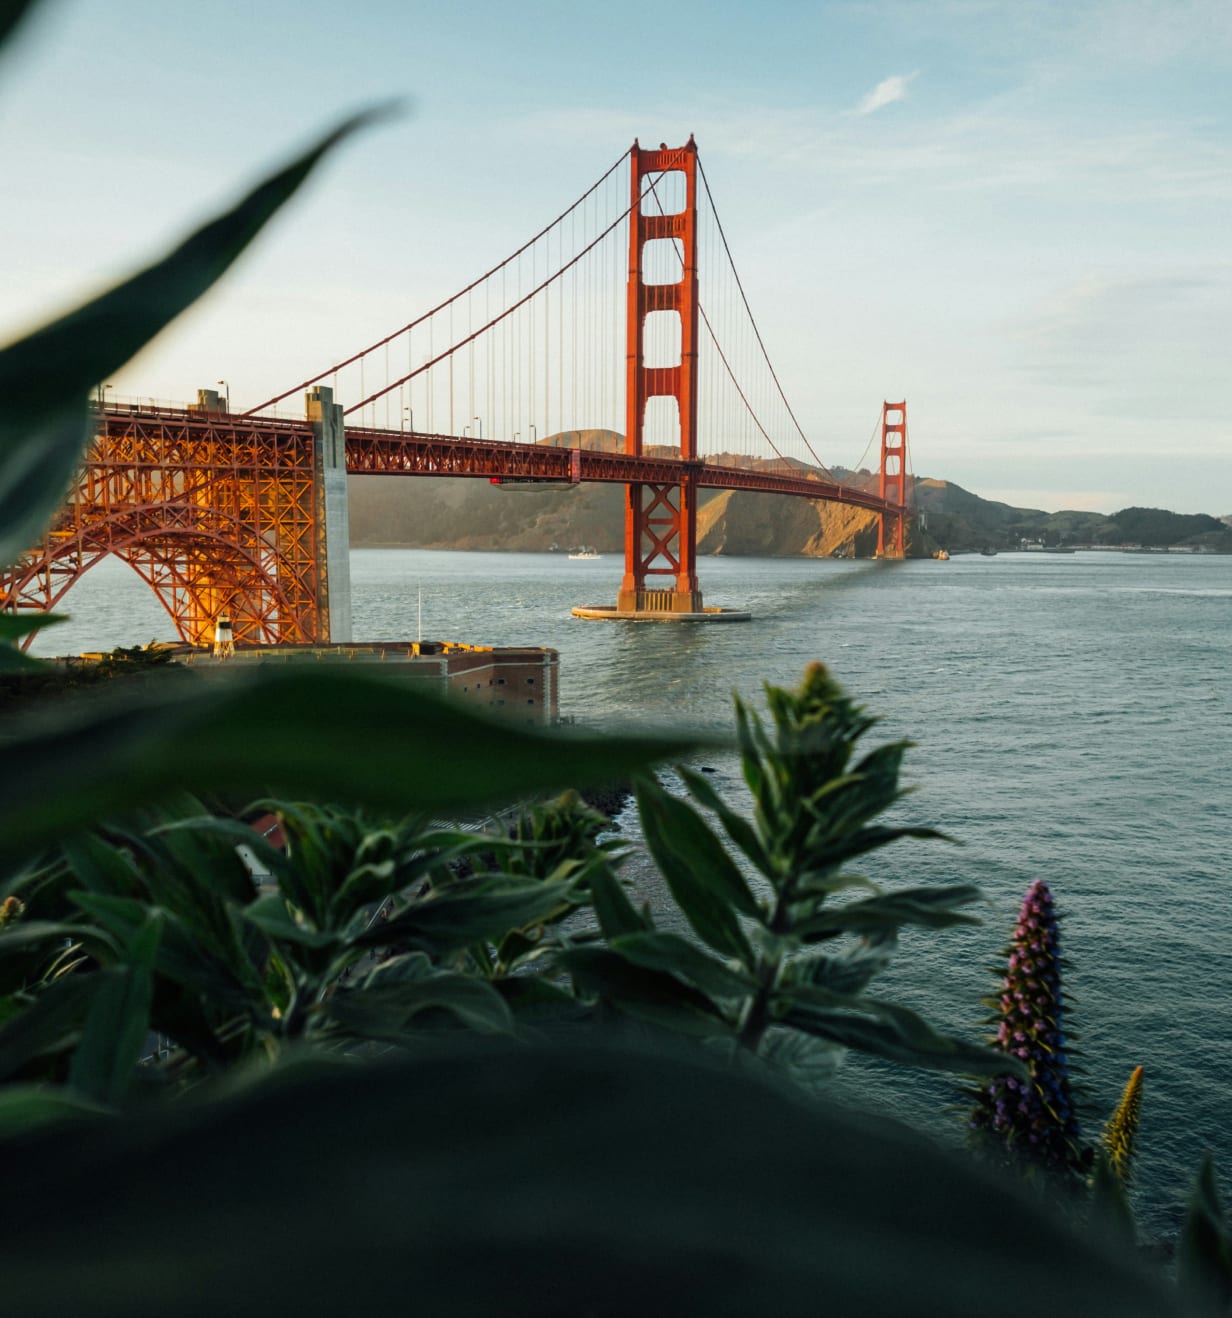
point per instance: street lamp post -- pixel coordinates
(227, 387)
(410, 413)
(479, 421)
(534, 434)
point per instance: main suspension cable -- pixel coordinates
(427, 315)
(753, 322)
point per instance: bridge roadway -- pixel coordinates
(395, 453)
(372, 451)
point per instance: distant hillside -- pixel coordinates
(450, 513)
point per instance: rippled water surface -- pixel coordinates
(1073, 719)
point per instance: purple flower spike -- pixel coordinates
(1033, 1121)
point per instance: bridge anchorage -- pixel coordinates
(245, 514)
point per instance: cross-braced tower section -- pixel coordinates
(661, 520)
(892, 526)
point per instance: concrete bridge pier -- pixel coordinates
(333, 540)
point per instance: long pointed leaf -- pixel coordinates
(888, 1031)
(49, 1024)
(741, 832)
(443, 924)
(11, 14)
(45, 378)
(1204, 1256)
(703, 879)
(932, 908)
(336, 734)
(119, 1021)
(677, 956)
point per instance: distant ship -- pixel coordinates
(585, 552)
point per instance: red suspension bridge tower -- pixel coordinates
(892, 525)
(661, 520)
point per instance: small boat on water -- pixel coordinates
(941, 555)
(584, 552)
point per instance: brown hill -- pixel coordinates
(450, 513)
(427, 512)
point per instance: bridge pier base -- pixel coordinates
(703, 613)
(659, 601)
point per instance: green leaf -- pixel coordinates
(336, 734)
(269, 913)
(536, 1001)
(563, 1180)
(15, 627)
(101, 867)
(836, 850)
(46, 377)
(616, 913)
(119, 1021)
(1110, 1217)
(25, 1107)
(703, 878)
(443, 924)
(1204, 1255)
(388, 1012)
(889, 1031)
(219, 971)
(38, 456)
(933, 908)
(657, 997)
(741, 832)
(50, 1023)
(11, 14)
(677, 956)
(33, 933)
(849, 970)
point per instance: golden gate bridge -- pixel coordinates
(244, 514)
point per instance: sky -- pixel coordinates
(1017, 216)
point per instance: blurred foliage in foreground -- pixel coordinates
(392, 1064)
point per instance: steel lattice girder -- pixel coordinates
(215, 513)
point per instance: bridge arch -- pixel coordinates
(214, 517)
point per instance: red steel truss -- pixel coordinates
(892, 525)
(396, 453)
(218, 515)
(661, 518)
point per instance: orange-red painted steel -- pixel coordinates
(892, 525)
(220, 513)
(217, 512)
(661, 517)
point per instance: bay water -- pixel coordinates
(1072, 716)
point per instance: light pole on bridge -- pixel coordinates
(226, 387)
(479, 422)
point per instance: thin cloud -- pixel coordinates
(886, 92)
